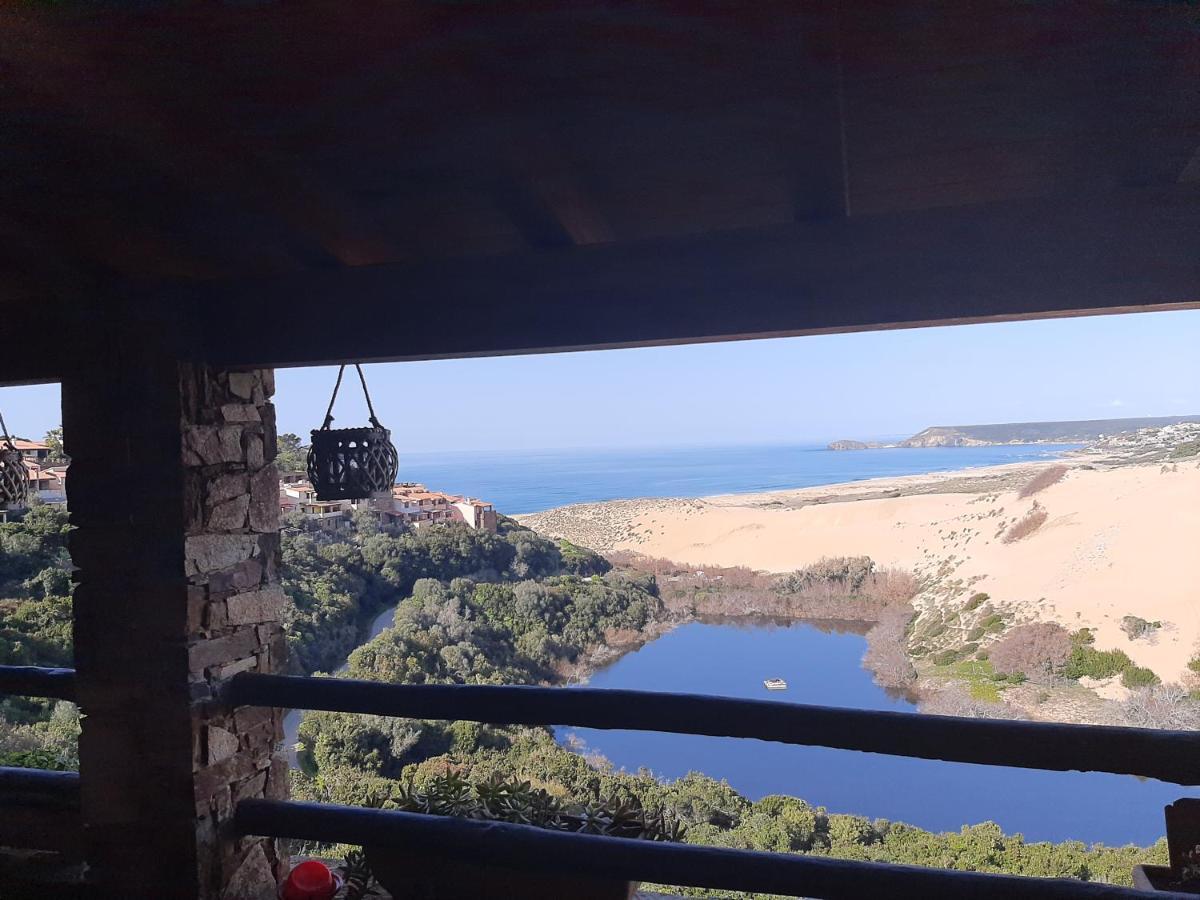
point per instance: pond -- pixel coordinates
(821, 663)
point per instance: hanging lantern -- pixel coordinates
(14, 475)
(351, 463)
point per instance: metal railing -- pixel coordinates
(1172, 756)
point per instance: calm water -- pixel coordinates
(823, 666)
(528, 482)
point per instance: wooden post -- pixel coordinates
(173, 495)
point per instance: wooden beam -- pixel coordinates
(528, 848)
(1056, 256)
(1153, 753)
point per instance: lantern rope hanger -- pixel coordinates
(351, 463)
(14, 474)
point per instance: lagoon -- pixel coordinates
(821, 662)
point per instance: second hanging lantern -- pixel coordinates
(14, 475)
(351, 463)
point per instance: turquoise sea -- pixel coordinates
(529, 481)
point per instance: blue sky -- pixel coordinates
(868, 385)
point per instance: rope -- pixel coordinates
(329, 412)
(370, 408)
(4, 429)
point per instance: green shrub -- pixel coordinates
(1083, 636)
(1194, 664)
(935, 630)
(976, 601)
(1087, 660)
(946, 658)
(1186, 449)
(1137, 676)
(976, 633)
(968, 649)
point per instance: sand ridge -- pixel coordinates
(1116, 541)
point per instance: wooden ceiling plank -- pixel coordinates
(1041, 257)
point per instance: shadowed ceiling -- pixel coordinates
(190, 143)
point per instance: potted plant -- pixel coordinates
(410, 874)
(1183, 847)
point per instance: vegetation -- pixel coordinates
(976, 601)
(1136, 627)
(515, 607)
(35, 614)
(714, 814)
(1039, 651)
(983, 682)
(1185, 450)
(1027, 524)
(1138, 676)
(338, 582)
(291, 455)
(504, 799)
(1051, 475)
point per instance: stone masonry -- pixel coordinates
(231, 559)
(174, 502)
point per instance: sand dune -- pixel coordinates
(1116, 542)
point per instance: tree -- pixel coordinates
(54, 440)
(291, 455)
(1038, 650)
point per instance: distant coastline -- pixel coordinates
(1083, 431)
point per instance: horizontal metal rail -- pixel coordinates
(35, 681)
(542, 850)
(1172, 756)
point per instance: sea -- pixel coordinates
(528, 481)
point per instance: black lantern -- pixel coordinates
(351, 463)
(14, 475)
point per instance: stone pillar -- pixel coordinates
(235, 602)
(173, 495)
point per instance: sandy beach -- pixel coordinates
(1116, 541)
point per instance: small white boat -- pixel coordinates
(775, 684)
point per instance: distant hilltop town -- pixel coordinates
(410, 504)
(1021, 433)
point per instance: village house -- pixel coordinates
(411, 504)
(32, 451)
(415, 505)
(46, 483)
(301, 496)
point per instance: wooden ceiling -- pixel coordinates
(192, 149)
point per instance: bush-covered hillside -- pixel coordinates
(35, 630)
(339, 581)
(715, 814)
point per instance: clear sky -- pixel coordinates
(869, 385)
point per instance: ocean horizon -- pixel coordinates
(528, 481)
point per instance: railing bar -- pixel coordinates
(37, 681)
(38, 787)
(536, 849)
(1172, 756)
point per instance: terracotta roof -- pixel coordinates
(22, 444)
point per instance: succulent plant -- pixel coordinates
(518, 802)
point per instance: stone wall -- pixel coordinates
(173, 495)
(231, 559)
